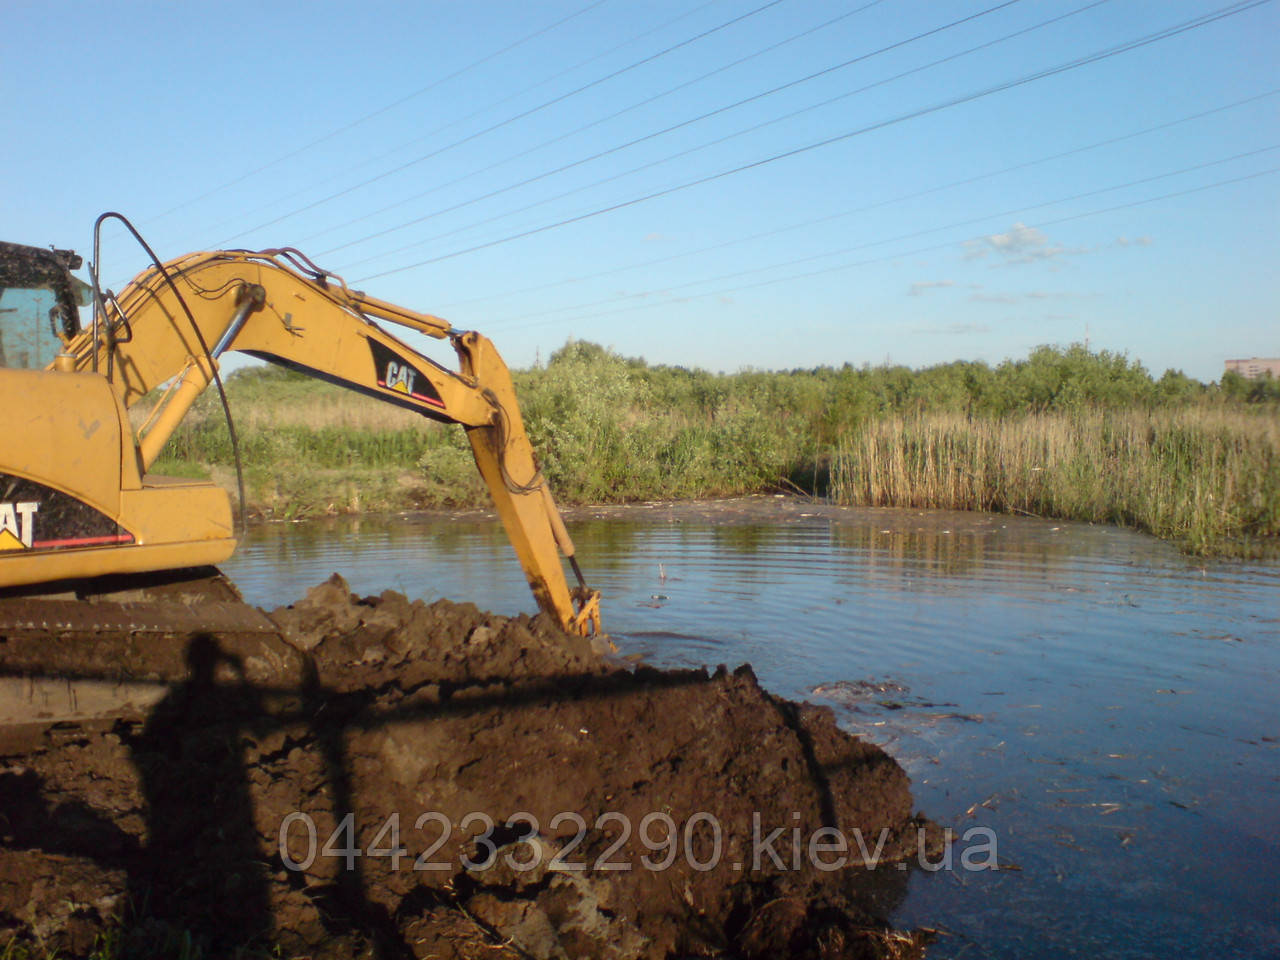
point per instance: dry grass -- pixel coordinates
(1206, 477)
(313, 410)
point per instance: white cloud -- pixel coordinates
(1020, 244)
(955, 329)
(1021, 240)
(921, 286)
(1007, 298)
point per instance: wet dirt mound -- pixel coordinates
(402, 779)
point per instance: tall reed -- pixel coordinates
(1065, 433)
(1200, 476)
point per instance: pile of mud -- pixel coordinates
(381, 778)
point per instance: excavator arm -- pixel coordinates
(167, 329)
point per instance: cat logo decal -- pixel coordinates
(37, 517)
(398, 374)
(17, 524)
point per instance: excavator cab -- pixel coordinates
(39, 304)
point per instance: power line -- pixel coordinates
(863, 209)
(477, 112)
(511, 119)
(650, 136)
(718, 140)
(594, 123)
(1195, 23)
(913, 252)
(919, 233)
(379, 112)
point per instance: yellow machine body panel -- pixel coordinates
(66, 432)
(77, 505)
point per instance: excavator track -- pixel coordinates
(111, 646)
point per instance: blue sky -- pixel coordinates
(955, 213)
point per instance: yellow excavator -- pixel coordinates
(77, 500)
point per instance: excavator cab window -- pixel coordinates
(39, 301)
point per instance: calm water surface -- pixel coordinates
(1107, 706)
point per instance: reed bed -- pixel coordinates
(1064, 433)
(1206, 478)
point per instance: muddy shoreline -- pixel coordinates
(386, 778)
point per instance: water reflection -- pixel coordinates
(1102, 702)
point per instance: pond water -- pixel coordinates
(1107, 706)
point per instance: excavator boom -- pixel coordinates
(78, 498)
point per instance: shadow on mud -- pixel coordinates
(175, 822)
(202, 866)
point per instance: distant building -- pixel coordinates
(1255, 367)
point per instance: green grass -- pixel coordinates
(1064, 433)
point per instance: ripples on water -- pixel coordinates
(1105, 704)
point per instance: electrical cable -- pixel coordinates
(381, 110)
(509, 120)
(204, 346)
(909, 236)
(918, 250)
(845, 213)
(678, 126)
(594, 123)
(711, 143)
(522, 91)
(1100, 55)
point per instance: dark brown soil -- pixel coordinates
(163, 827)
